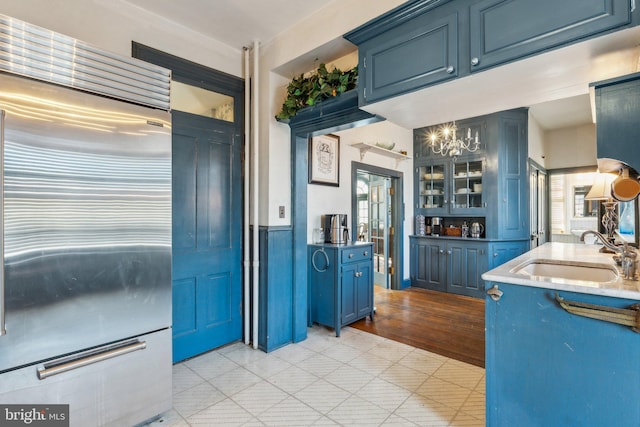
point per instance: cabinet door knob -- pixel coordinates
(475, 61)
(366, 253)
(449, 252)
(450, 69)
(441, 251)
(350, 255)
(495, 255)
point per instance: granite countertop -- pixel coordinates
(568, 253)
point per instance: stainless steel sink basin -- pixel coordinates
(568, 271)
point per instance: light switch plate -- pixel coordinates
(281, 211)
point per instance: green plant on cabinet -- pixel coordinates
(306, 91)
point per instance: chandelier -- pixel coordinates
(444, 141)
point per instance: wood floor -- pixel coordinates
(446, 324)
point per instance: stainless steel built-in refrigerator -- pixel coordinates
(85, 286)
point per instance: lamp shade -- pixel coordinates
(601, 188)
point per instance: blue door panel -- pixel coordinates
(217, 289)
(219, 186)
(184, 192)
(184, 293)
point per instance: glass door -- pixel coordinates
(467, 186)
(433, 194)
(378, 228)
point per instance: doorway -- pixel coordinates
(207, 117)
(377, 204)
(539, 194)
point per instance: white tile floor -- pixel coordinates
(357, 379)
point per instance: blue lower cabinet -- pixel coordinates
(501, 252)
(547, 367)
(340, 284)
(456, 265)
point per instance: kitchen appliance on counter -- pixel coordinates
(436, 226)
(476, 229)
(335, 228)
(85, 215)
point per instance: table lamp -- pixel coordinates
(601, 190)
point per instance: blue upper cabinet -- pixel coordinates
(426, 42)
(617, 111)
(419, 53)
(505, 30)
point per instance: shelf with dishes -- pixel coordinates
(382, 149)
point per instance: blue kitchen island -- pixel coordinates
(546, 366)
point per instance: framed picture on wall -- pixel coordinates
(324, 160)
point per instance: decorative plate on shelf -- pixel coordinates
(433, 176)
(386, 145)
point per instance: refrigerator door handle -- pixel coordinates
(52, 369)
(3, 330)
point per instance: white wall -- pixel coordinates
(536, 142)
(113, 24)
(323, 199)
(304, 41)
(570, 147)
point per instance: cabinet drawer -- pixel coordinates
(356, 254)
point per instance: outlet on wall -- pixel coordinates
(281, 211)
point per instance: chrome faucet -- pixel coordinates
(628, 254)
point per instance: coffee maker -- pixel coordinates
(335, 228)
(436, 225)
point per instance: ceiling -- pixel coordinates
(238, 23)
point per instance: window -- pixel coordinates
(203, 102)
(571, 214)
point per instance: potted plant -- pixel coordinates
(305, 91)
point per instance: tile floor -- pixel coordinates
(357, 379)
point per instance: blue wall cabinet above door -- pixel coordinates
(505, 30)
(419, 53)
(426, 42)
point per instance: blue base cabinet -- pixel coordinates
(456, 265)
(340, 284)
(547, 367)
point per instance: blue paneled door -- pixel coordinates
(207, 235)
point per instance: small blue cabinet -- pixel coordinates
(547, 367)
(420, 53)
(340, 284)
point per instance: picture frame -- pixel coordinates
(324, 160)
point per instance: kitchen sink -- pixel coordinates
(568, 271)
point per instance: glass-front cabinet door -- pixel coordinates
(466, 187)
(433, 192)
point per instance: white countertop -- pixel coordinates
(567, 252)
